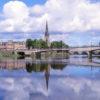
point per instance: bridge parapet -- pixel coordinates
(87, 49)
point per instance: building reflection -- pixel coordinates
(12, 64)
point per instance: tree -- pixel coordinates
(58, 44)
(36, 44)
(43, 45)
(28, 43)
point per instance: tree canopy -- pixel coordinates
(58, 44)
(43, 45)
(36, 43)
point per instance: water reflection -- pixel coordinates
(63, 88)
(73, 79)
(39, 68)
(44, 67)
(32, 67)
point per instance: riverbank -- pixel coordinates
(8, 54)
(44, 55)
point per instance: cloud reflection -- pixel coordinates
(62, 88)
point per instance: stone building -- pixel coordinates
(11, 45)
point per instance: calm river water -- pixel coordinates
(76, 78)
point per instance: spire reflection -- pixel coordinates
(47, 75)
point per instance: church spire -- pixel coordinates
(46, 37)
(46, 31)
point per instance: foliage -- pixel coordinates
(58, 44)
(28, 43)
(42, 44)
(36, 44)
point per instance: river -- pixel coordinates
(76, 78)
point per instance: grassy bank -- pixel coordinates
(44, 55)
(7, 54)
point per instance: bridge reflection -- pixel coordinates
(41, 65)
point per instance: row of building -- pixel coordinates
(11, 45)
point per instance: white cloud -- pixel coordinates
(69, 15)
(15, 13)
(16, 9)
(62, 15)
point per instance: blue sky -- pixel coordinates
(28, 2)
(95, 1)
(73, 21)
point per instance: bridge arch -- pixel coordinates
(96, 52)
(84, 53)
(76, 53)
(21, 53)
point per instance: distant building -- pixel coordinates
(11, 45)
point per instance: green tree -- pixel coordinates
(58, 44)
(36, 43)
(43, 45)
(28, 43)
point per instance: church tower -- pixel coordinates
(46, 37)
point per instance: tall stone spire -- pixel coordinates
(46, 37)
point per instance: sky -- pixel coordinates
(76, 22)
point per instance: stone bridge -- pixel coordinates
(86, 49)
(72, 50)
(38, 53)
(29, 52)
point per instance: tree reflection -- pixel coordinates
(57, 66)
(29, 67)
(43, 67)
(33, 67)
